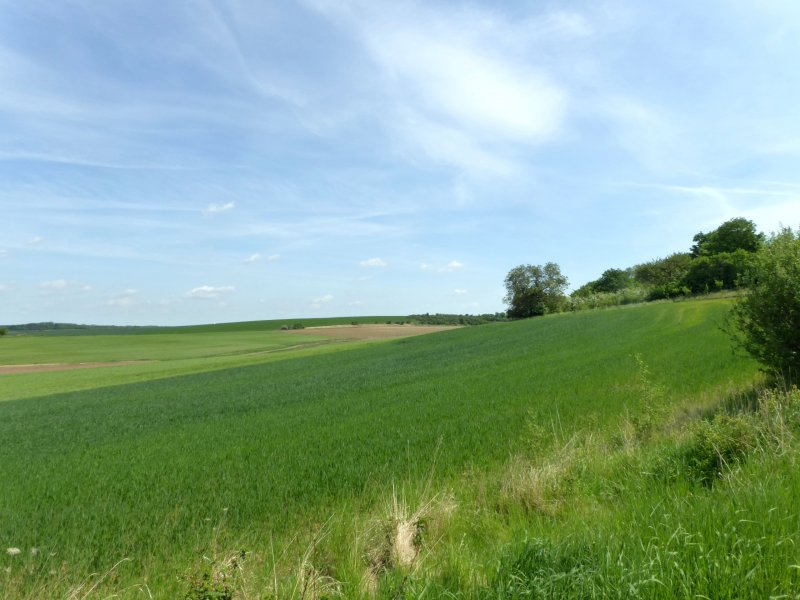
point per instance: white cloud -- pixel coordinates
(769, 207)
(55, 285)
(273, 257)
(453, 265)
(87, 288)
(209, 292)
(459, 292)
(460, 84)
(373, 262)
(4, 288)
(318, 302)
(218, 208)
(124, 299)
(35, 241)
(356, 303)
(253, 258)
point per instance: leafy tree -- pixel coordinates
(766, 320)
(733, 235)
(3, 330)
(719, 271)
(533, 290)
(664, 276)
(613, 280)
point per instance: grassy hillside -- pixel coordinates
(146, 471)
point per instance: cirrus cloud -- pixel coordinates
(210, 292)
(453, 265)
(124, 299)
(374, 262)
(214, 208)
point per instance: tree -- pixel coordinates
(533, 290)
(735, 234)
(613, 280)
(766, 320)
(719, 271)
(664, 276)
(3, 331)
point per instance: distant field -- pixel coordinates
(37, 365)
(270, 325)
(145, 470)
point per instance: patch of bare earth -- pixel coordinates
(8, 369)
(370, 332)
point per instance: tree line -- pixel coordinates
(717, 260)
(765, 319)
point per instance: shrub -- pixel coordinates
(717, 445)
(766, 320)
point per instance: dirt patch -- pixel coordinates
(370, 332)
(8, 369)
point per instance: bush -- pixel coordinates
(716, 446)
(766, 320)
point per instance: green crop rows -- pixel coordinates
(143, 471)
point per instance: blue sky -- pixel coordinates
(223, 160)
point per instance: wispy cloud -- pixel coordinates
(55, 285)
(459, 292)
(214, 208)
(253, 258)
(453, 265)
(454, 87)
(124, 299)
(770, 206)
(3, 252)
(35, 241)
(318, 302)
(373, 262)
(210, 292)
(273, 257)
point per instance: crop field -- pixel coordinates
(310, 451)
(37, 365)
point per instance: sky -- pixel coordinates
(224, 160)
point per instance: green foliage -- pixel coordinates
(3, 331)
(215, 579)
(732, 236)
(631, 295)
(766, 320)
(534, 290)
(664, 276)
(725, 270)
(612, 280)
(450, 319)
(718, 445)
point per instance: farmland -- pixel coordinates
(40, 364)
(315, 449)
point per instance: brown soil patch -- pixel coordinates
(370, 332)
(8, 369)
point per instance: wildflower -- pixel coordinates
(13, 551)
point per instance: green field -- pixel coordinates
(259, 458)
(66, 329)
(156, 356)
